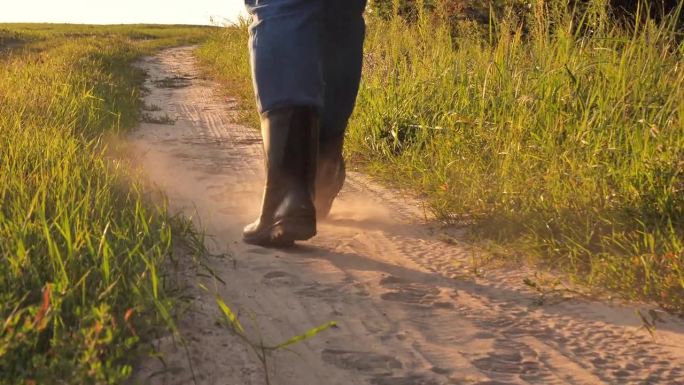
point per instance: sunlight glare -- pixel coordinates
(122, 12)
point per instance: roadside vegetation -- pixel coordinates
(81, 245)
(551, 131)
(224, 57)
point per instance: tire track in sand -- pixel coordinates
(409, 312)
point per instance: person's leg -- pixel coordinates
(343, 33)
(285, 55)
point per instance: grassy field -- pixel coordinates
(224, 57)
(80, 245)
(557, 135)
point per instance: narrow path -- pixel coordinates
(408, 308)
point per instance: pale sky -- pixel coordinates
(119, 11)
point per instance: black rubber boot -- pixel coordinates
(330, 174)
(290, 138)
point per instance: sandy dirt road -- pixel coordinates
(408, 308)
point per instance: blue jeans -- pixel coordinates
(308, 53)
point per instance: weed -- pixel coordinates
(173, 82)
(157, 119)
(261, 349)
(649, 322)
(151, 107)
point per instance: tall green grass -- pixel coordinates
(224, 57)
(558, 133)
(565, 139)
(81, 248)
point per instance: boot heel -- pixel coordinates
(295, 228)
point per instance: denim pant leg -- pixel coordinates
(286, 53)
(342, 36)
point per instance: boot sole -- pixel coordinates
(285, 232)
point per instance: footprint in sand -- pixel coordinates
(362, 361)
(259, 250)
(314, 290)
(415, 379)
(280, 278)
(410, 293)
